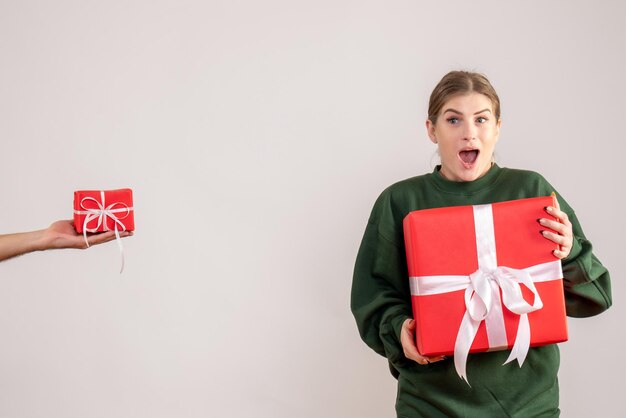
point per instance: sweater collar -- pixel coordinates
(466, 187)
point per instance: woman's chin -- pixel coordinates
(466, 172)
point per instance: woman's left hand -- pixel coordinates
(560, 230)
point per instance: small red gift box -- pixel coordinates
(484, 278)
(103, 210)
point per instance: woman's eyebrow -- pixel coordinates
(457, 112)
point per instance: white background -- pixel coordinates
(256, 136)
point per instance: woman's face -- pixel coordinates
(466, 133)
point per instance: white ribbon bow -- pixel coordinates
(481, 299)
(101, 213)
(482, 295)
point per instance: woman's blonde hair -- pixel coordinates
(461, 82)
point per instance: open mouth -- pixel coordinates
(469, 156)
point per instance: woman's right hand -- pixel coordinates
(61, 234)
(407, 338)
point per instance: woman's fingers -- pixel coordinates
(558, 214)
(556, 238)
(101, 238)
(560, 231)
(407, 339)
(554, 225)
(423, 360)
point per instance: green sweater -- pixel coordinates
(381, 301)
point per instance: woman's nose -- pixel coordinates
(470, 132)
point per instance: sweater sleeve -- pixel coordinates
(380, 299)
(586, 281)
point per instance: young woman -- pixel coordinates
(464, 121)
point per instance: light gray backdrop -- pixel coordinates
(256, 136)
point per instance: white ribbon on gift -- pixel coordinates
(101, 213)
(482, 295)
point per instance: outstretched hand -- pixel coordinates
(62, 234)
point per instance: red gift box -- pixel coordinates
(103, 210)
(483, 278)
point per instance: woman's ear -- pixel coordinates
(430, 128)
(498, 124)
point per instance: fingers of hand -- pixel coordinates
(556, 201)
(565, 243)
(562, 240)
(427, 360)
(101, 238)
(558, 214)
(561, 254)
(561, 231)
(410, 352)
(555, 226)
(422, 360)
(407, 339)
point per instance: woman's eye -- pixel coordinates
(453, 121)
(481, 119)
